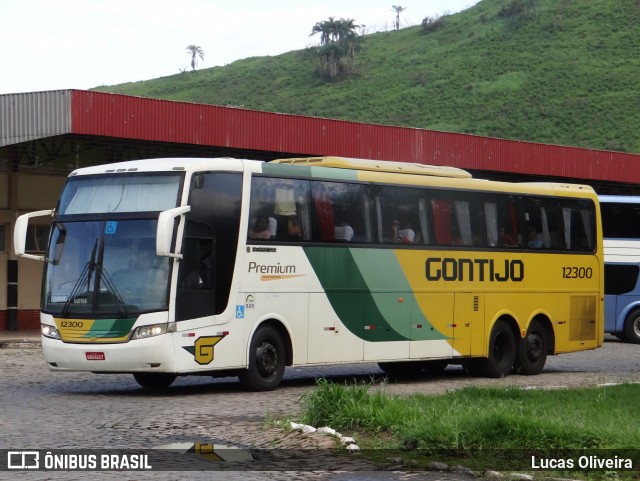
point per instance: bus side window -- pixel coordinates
(399, 216)
(548, 224)
(341, 212)
(468, 223)
(578, 227)
(282, 208)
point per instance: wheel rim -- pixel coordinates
(267, 359)
(636, 326)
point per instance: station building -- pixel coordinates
(46, 135)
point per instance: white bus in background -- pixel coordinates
(621, 232)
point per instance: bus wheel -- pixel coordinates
(266, 361)
(532, 350)
(154, 380)
(632, 327)
(502, 352)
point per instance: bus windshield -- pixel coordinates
(104, 268)
(119, 193)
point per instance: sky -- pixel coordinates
(80, 44)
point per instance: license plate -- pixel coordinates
(95, 356)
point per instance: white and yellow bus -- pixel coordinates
(168, 267)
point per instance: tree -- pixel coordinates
(398, 9)
(338, 38)
(195, 51)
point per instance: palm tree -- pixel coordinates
(337, 39)
(195, 51)
(398, 9)
(323, 28)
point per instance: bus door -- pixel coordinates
(468, 324)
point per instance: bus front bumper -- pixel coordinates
(154, 354)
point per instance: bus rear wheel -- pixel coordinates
(632, 327)
(502, 352)
(532, 350)
(154, 380)
(266, 361)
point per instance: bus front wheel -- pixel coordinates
(154, 380)
(266, 361)
(502, 352)
(531, 355)
(632, 327)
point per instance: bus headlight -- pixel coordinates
(143, 332)
(49, 331)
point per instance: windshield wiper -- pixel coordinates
(86, 274)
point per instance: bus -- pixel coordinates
(621, 232)
(234, 267)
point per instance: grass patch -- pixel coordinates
(485, 428)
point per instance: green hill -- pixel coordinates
(553, 71)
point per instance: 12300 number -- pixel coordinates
(577, 272)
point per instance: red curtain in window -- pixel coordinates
(442, 221)
(513, 220)
(324, 217)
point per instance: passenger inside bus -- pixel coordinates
(400, 234)
(260, 229)
(506, 240)
(407, 234)
(294, 229)
(533, 238)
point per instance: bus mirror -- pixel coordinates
(20, 234)
(164, 233)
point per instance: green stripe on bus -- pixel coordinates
(370, 293)
(108, 328)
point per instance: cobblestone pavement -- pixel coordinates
(45, 410)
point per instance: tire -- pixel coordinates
(502, 352)
(532, 350)
(632, 327)
(154, 380)
(266, 361)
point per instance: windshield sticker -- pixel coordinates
(111, 227)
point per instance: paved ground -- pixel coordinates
(45, 410)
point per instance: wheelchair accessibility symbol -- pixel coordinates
(111, 227)
(239, 312)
